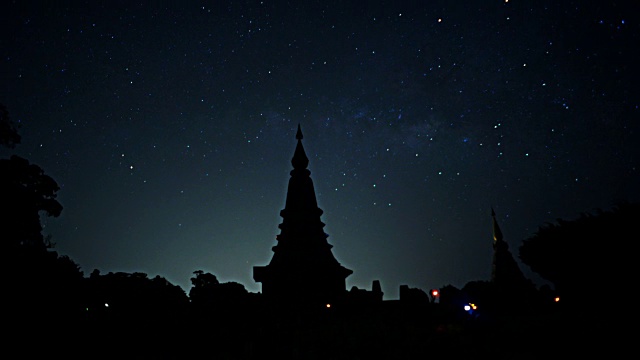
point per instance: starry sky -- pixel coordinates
(170, 128)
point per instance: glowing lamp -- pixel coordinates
(470, 307)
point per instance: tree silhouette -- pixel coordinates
(9, 136)
(204, 288)
(133, 297)
(578, 255)
(26, 191)
(43, 289)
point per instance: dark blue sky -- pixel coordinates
(170, 129)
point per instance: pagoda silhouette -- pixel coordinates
(511, 288)
(504, 269)
(303, 270)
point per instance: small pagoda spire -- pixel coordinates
(504, 268)
(299, 133)
(300, 160)
(497, 234)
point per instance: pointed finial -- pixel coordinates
(497, 234)
(299, 160)
(299, 133)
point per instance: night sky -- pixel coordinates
(170, 129)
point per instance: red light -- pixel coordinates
(435, 293)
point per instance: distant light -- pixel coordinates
(106, 305)
(470, 307)
(328, 306)
(556, 299)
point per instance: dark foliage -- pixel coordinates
(576, 255)
(9, 136)
(26, 192)
(133, 299)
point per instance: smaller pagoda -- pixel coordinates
(505, 271)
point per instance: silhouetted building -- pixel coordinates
(303, 269)
(360, 297)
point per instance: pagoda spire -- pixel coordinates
(500, 249)
(504, 268)
(497, 234)
(300, 159)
